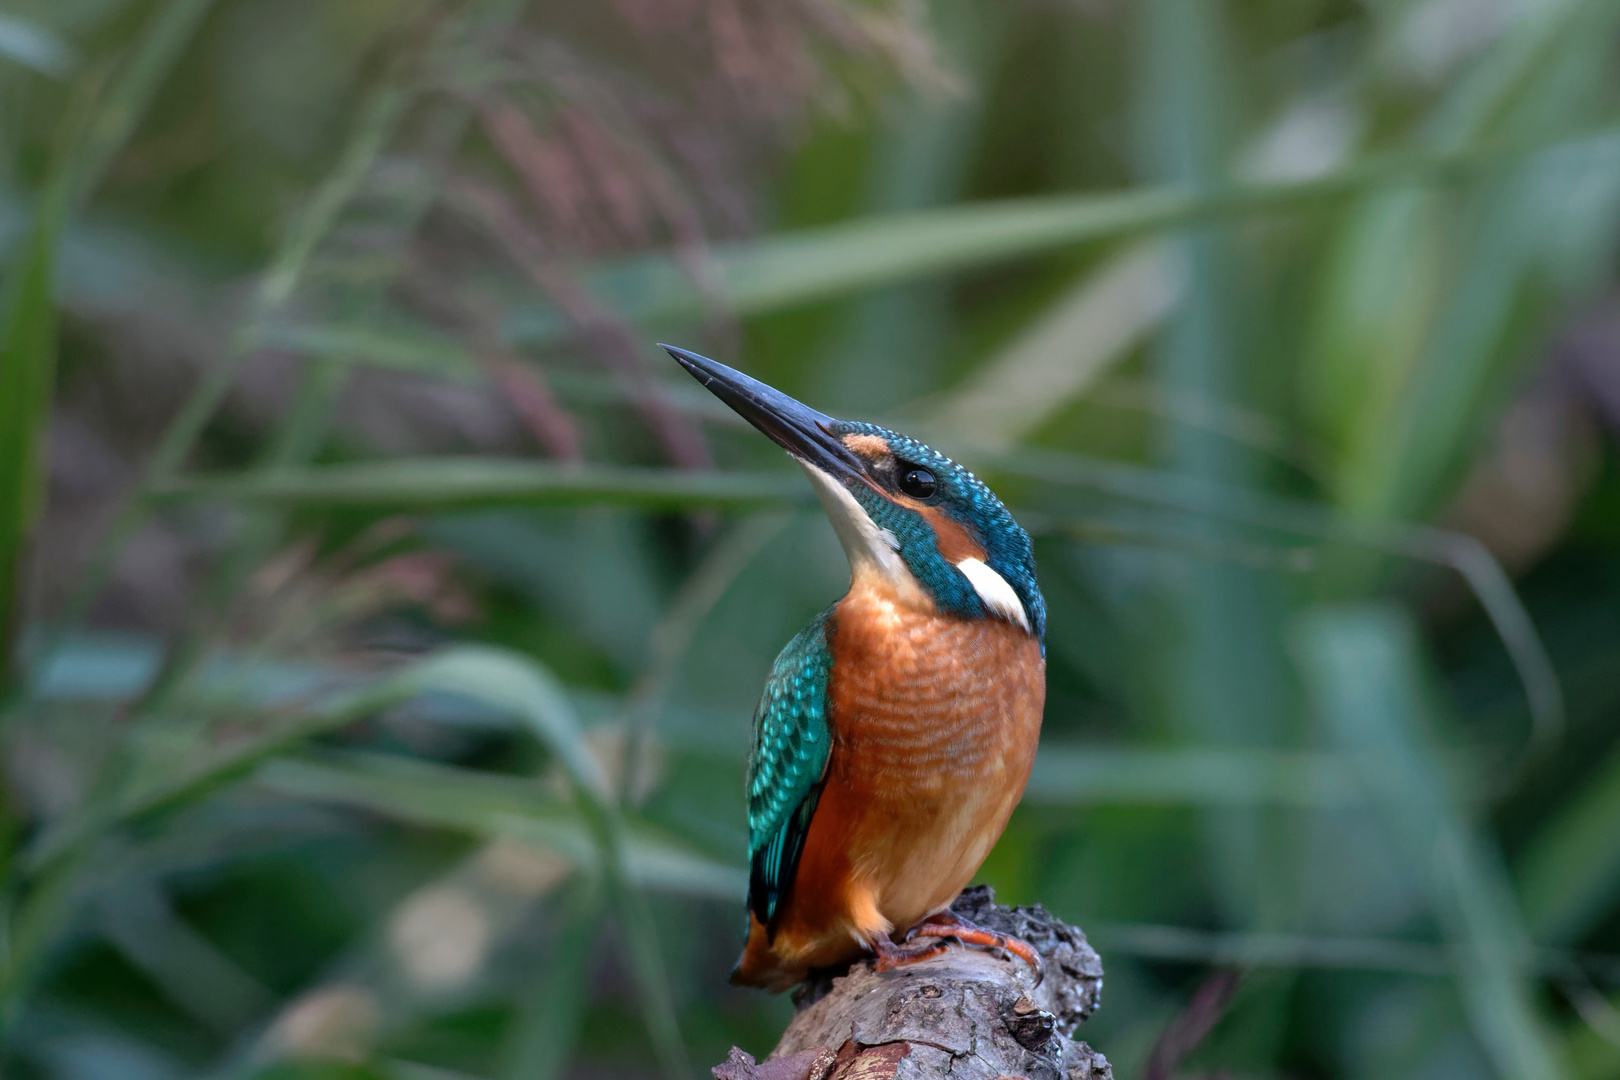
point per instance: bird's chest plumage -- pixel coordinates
(926, 700)
(934, 723)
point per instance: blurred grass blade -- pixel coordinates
(27, 374)
(1244, 949)
(164, 35)
(373, 129)
(1247, 950)
(443, 482)
(491, 806)
(377, 1067)
(672, 637)
(796, 268)
(94, 667)
(542, 1035)
(1361, 666)
(1467, 349)
(494, 677)
(514, 683)
(190, 971)
(436, 796)
(413, 349)
(1528, 48)
(1365, 336)
(370, 134)
(815, 264)
(1403, 388)
(1070, 775)
(1219, 675)
(1569, 874)
(28, 304)
(1095, 323)
(27, 367)
(447, 482)
(1460, 552)
(35, 47)
(208, 767)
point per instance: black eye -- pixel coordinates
(918, 483)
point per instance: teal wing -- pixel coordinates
(792, 741)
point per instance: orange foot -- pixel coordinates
(891, 956)
(948, 924)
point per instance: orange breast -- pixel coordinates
(935, 722)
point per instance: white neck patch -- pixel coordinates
(993, 589)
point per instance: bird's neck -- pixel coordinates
(876, 590)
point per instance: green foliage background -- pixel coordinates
(385, 613)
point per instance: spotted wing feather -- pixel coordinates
(792, 741)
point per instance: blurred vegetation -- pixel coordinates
(385, 613)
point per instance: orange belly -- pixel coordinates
(934, 723)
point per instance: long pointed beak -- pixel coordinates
(793, 426)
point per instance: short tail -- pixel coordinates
(760, 966)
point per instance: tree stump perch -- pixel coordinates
(969, 1014)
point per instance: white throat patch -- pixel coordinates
(867, 546)
(993, 589)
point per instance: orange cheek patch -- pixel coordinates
(954, 541)
(868, 446)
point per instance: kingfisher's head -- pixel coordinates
(901, 509)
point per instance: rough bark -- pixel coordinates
(968, 1015)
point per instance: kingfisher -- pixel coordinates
(896, 732)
